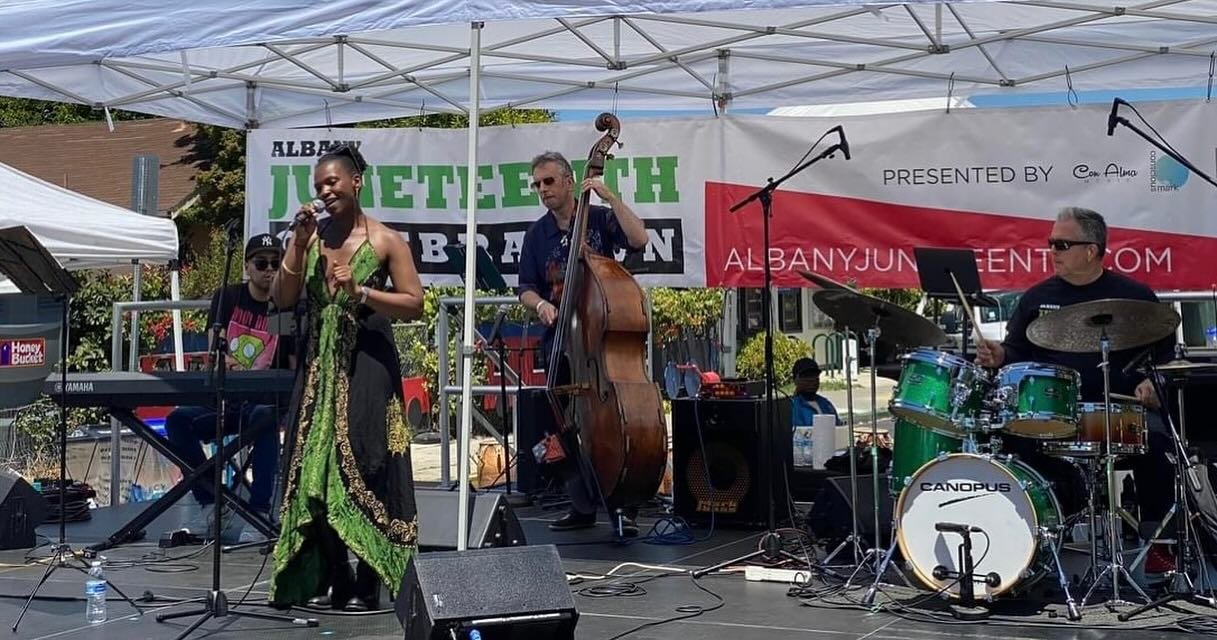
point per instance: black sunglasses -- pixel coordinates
(1065, 245)
(547, 181)
(262, 264)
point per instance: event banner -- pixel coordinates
(990, 180)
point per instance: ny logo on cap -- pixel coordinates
(267, 241)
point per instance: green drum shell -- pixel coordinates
(923, 395)
(1038, 401)
(1047, 512)
(913, 447)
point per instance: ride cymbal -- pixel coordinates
(1128, 324)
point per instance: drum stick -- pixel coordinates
(1123, 398)
(967, 309)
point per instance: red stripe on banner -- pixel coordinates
(870, 243)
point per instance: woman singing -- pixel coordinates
(349, 486)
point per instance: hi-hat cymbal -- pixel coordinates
(1128, 324)
(896, 324)
(1183, 367)
(825, 282)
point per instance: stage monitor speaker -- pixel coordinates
(505, 594)
(731, 432)
(829, 517)
(21, 511)
(492, 522)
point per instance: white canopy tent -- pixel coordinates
(81, 232)
(298, 64)
(295, 64)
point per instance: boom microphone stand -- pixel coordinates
(34, 271)
(771, 543)
(217, 602)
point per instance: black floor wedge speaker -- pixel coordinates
(492, 522)
(22, 509)
(513, 593)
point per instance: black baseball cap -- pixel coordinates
(262, 242)
(806, 367)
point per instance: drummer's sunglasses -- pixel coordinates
(1065, 245)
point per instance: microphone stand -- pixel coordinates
(1118, 119)
(771, 543)
(217, 602)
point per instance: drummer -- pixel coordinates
(1079, 242)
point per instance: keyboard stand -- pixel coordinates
(134, 529)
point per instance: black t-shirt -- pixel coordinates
(251, 340)
(1054, 293)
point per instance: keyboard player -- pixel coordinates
(252, 344)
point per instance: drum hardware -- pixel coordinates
(1181, 585)
(1052, 535)
(1114, 324)
(851, 309)
(966, 608)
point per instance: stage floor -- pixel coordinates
(749, 609)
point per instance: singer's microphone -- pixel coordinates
(953, 527)
(318, 209)
(844, 142)
(1111, 117)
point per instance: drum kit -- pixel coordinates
(949, 476)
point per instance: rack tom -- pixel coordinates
(1036, 400)
(941, 392)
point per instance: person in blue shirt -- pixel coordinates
(543, 270)
(807, 401)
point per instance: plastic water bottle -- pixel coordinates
(474, 634)
(808, 458)
(95, 595)
(1210, 337)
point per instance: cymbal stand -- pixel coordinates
(853, 539)
(1116, 567)
(1181, 585)
(872, 336)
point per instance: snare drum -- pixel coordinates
(1008, 500)
(941, 392)
(1037, 400)
(1127, 432)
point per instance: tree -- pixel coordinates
(25, 112)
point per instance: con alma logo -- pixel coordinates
(27, 352)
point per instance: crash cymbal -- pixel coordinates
(1128, 324)
(860, 312)
(825, 282)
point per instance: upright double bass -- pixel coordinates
(604, 400)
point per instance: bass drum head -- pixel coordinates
(972, 490)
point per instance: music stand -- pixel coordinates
(487, 276)
(934, 269)
(33, 270)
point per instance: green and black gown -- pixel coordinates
(350, 474)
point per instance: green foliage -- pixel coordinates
(674, 312)
(420, 354)
(501, 117)
(24, 112)
(907, 298)
(786, 349)
(219, 156)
